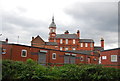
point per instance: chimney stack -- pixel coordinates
(78, 33)
(102, 43)
(32, 38)
(6, 40)
(66, 32)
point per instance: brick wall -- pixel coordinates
(107, 61)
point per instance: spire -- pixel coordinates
(53, 18)
(53, 23)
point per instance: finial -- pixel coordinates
(53, 18)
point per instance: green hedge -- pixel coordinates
(31, 71)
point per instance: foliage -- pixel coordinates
(30, 70)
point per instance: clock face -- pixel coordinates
(53, 34)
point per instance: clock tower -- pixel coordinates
(52, 29)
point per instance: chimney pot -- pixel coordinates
(6, 40)
(32, 38)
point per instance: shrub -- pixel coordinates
(30, 70)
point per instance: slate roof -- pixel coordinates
(86, 40)
(2, 42)
(86, 52)
(111, 49)
(98, 48)
(70, 36)
(81, 51)
(51, 43)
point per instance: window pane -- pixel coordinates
(113, 58)
(81, 44)
(24, 53)
(104, 57)
(60, 41)
(66, 41)
(54, 56)
(73, 41)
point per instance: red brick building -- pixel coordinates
(66, 41)
(47, 56)
(110, 58)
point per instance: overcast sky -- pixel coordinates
(27, 18)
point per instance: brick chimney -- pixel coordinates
(6, 40)
(78, 33)
(66, 32)
(102, 43)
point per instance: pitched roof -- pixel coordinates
(70, 36)
(39, 38)
(111, 49)
(86, 40)
(98, 48)
(81, 51)
(51, 43)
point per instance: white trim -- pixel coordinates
(3, 51)
(61, 48)
(73, 48)
(73, 54)
(43, 51)
(67, 53)
(73, 41)
(66, 48)
(66, 41)
(81, 44)
(91, 44)
(61, 41)
(114, 60)
(22, 53)
(104, 57)
(53, 56)
(86, 44)
(81, 58)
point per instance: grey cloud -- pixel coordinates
(102, 16)
(14, 25)
(96, 20)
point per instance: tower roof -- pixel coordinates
(53, 23)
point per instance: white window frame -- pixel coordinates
(73, 48)
(104, 57)
(22, 53)
(61, 48)
(53, 34)
(81, 58)
(81, 44)
(66, 48)
(3, 51)
(113, 60)
(91, 44)
(61, 41)
(73, 41)
(66, 41)
(86, 44)
(53, 56)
